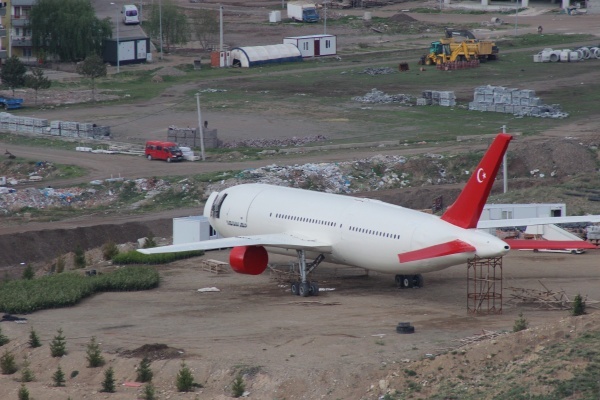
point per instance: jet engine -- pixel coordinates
(250, 260)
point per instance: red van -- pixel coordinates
(169, 151)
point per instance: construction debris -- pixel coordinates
(513, 101)
(266, 143)
(546, 299)
(378, 71)
(378, 97)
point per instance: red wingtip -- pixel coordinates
(466, 210)
(438, 250)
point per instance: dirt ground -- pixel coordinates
(336, 345)
(340, 345)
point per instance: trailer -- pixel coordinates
(9, 103)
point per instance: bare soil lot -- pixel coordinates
(335, 345)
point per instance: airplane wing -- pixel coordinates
(502, 223)
(281, 240)
(529, 244)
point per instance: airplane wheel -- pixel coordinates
(304, 289)
(295, 288)
(399, 280)
(407, 282)
(314, 289)
(418, 281)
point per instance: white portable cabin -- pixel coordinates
(193, 229)
(314, 45)
(260, 55)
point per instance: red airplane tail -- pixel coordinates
(466, 210)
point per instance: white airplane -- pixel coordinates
(358, 232)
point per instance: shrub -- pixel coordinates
(578, 306)
(148, 393)
(144, 373)
(28, 272)
(23, 393)
(94, 355)
(109, 250)
(62, 290)
(108, 384)
(3, 338)
(8, 366)
(520, 324)
(59, 377)
(60, 264)
(58, 346)
(79, 258)
(238, 387)
(26, 373)
(185, 380)
(149, 242)
(135, 257)
(34, 340)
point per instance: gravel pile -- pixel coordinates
(378, 97)
(267, 143)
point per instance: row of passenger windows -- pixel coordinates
(309, 220)
(376, 233)
(334, 224)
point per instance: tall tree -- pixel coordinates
(13, 73)
(205, 25)
(92, 67)
(68, 29)
(175, 28)
(37, 80)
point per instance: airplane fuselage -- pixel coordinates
(362, 232)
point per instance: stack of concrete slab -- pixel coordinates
(444, 98)
(513, 101)
(78, 130)
(11, 123)
(191, 138)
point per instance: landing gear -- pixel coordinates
(409, 281)
(306, 288)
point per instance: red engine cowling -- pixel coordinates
(250, 260)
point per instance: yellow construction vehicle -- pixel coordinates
(449, 49)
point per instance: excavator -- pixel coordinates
(449, 49)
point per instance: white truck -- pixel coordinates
(302, 12)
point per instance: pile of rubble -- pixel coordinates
(378, 97)
(267, 143)
(513, 101)
(374, 173)
(378, 71)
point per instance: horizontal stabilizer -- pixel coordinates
(281, 240)
(439, 250)
(525, 244)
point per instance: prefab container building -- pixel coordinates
(314, 45)
(259, 55)
(192, 229)
(132, 50)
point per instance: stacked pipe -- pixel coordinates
(567, 55)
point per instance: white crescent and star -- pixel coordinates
(481, 175)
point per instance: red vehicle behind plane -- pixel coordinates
(168, 151)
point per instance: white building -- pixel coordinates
(314, 45)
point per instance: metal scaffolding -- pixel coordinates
(484, 286)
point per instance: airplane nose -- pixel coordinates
(493, 247)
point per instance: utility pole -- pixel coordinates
(505, 167)
(118, 41)
(200, 129)
(160, 27)
(220, 28)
